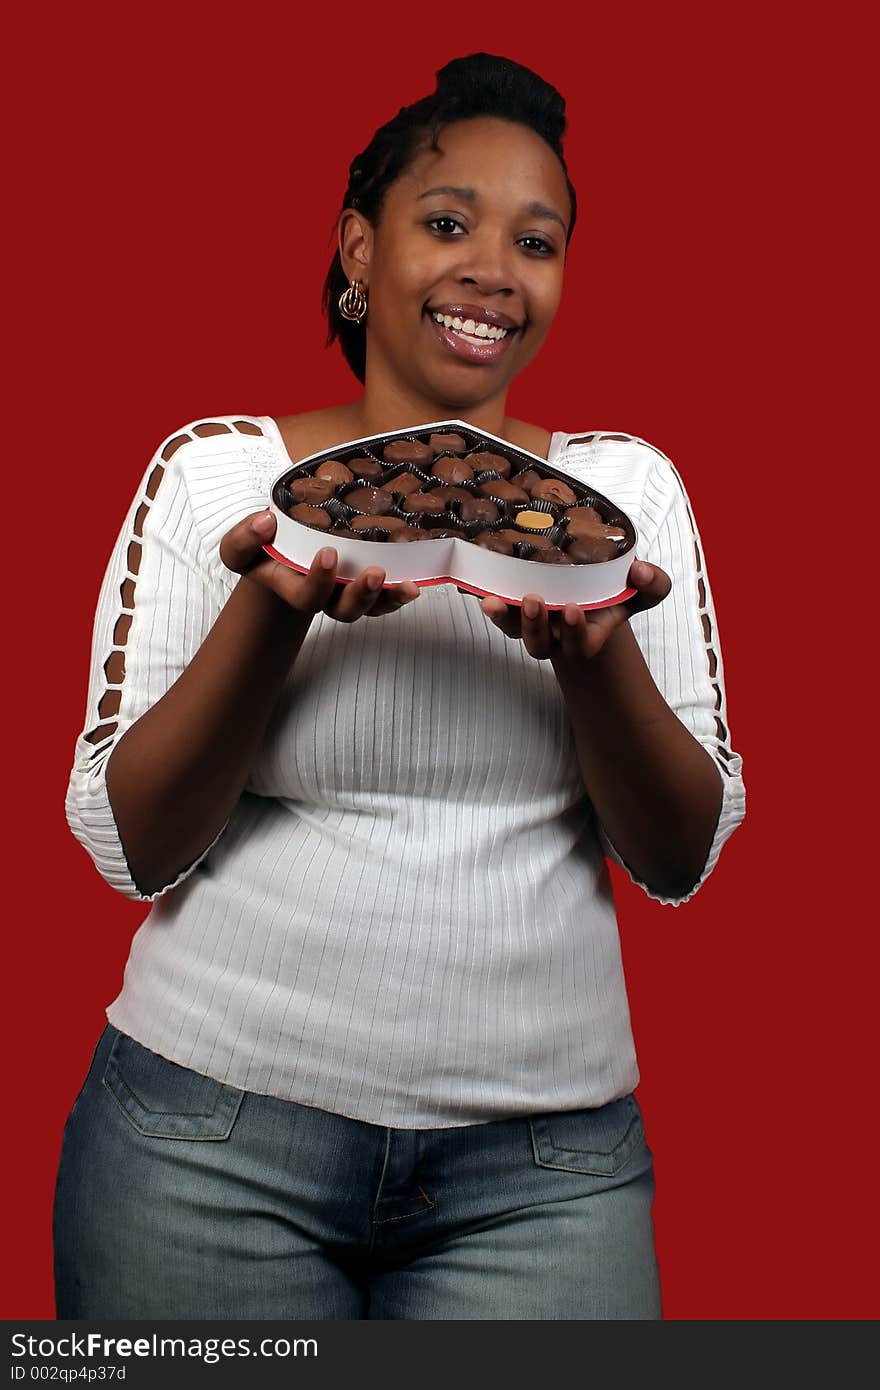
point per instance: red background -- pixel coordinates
(177, 177)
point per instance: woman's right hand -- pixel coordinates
(241, 551)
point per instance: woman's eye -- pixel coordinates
(536, 243)
(446, 226)
(451, 227)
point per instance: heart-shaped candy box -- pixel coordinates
(446, 503)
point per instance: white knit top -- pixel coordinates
(408, 918)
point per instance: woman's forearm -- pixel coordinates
(176, 774)
(655, 789)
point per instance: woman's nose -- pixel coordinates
(487, 265)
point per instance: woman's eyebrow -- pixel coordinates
(542, 210)
(470, 195)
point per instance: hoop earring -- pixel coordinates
(353, 303)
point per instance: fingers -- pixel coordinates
(540, 629)
(306, 593)
(311, 592)
(319, 590)
(652, 583)
(242, 547)
(573, 633)
(570, 633)
(583, 634)
(505, 616)
(365, 596)
(352, 601)
(536, 636)
(531, 622)
(393, 597)
(241, 551)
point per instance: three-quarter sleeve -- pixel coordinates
(679, 640)
(679, 637)
(157, 604)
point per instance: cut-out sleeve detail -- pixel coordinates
(209, 428)
(679, 640)
(158, 601)
(173, 445)
(153, 481)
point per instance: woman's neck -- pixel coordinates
(375, 413)
(392, 408)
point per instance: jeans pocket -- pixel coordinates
(599, 1141)
(165, 1101)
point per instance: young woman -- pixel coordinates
(372, 1054)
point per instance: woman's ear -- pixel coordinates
(355, 245)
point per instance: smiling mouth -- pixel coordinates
(474, 329)
(471, 339)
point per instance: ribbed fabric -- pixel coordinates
(408, 918)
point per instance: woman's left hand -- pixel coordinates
(574, 634)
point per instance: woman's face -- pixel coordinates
(464, 269)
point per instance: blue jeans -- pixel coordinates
(180, 1197)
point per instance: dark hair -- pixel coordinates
(479, 85)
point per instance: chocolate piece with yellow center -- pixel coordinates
(533, 521)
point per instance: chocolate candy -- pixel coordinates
(391, 524)
(495, 463)
(311, 516)
(527, 479)
(534, 521)
(404, 482)
(554, 490)
(407, 451)
(447, 444)
(537, 540)
(452, 470)
(446, 494)
(502, 491)
(473, 509)
(495, 540)
(586, 522)
(410, 533)
(582, 521)
(334, 471)
(375, 533)
(310, 489)
(590, 550)
(552, 555)
(365, 467)
(372, 501)
(425, 503)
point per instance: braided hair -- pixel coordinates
(478, 85)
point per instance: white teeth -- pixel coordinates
(470, 328)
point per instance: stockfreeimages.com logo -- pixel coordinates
(95, 1346)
